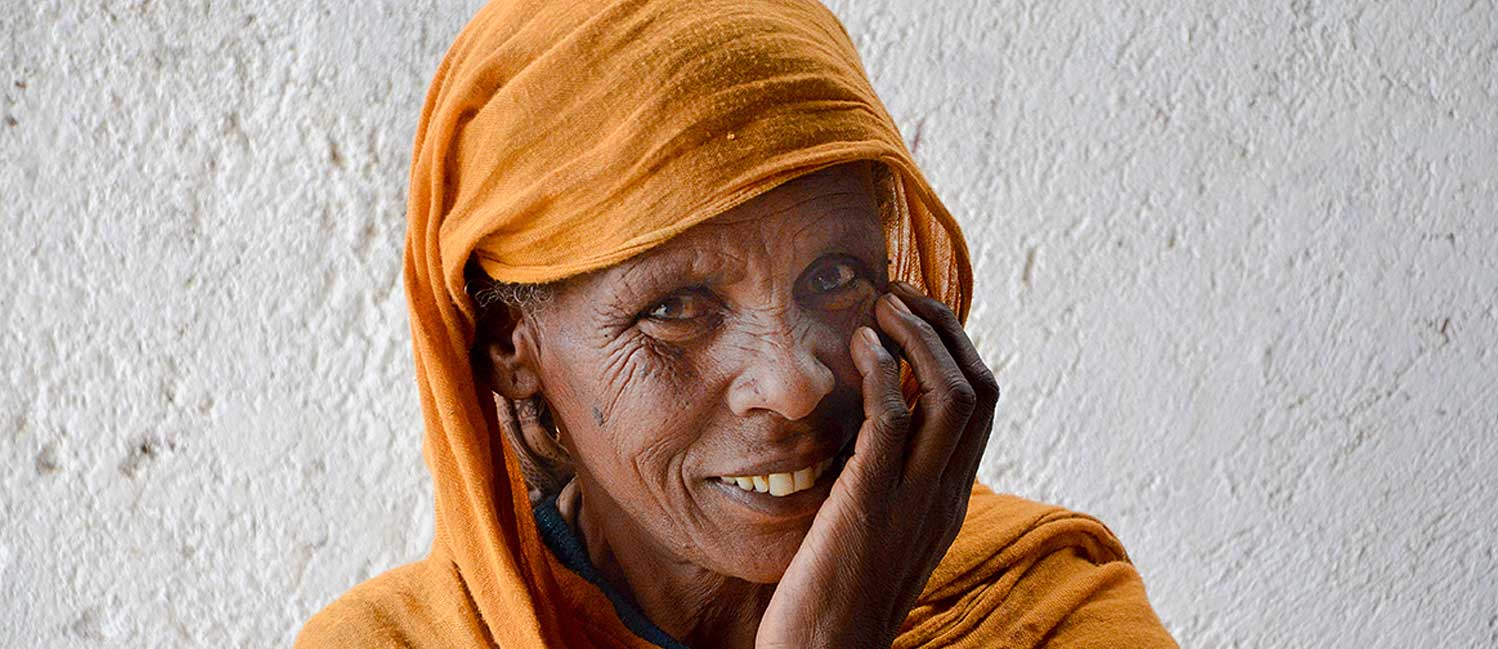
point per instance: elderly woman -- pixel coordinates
(687, 324)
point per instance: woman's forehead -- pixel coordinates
(794, 219)
(810, 196)
(795, 222)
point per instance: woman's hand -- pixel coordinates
(900, 500)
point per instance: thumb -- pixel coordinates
(880, 447)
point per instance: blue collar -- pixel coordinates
(565, 545)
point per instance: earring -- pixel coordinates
(540, 429)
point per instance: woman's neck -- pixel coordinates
(699, 607)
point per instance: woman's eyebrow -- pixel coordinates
(673, 268)
(836, 230)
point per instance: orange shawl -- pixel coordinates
(562, 137)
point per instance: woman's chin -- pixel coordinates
(768, 564)
(762, 532)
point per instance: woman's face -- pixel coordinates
(721, 353)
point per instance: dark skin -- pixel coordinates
(746, 345)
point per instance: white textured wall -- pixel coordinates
(1237, 267)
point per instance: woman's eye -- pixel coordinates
(833, 277)
(679, 307)
(681, 318)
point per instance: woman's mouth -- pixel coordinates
(780, 484)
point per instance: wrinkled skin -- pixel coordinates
(741, 341)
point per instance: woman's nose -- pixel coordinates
(782, 373)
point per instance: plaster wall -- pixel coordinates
(1237, 268)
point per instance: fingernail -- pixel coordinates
(909, 288)
(869, 337)
(896, 303)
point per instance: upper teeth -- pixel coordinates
(780, 484)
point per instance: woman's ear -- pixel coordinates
(505, 345)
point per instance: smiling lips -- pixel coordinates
(780, 484)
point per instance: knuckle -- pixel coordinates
(923, 328)
(894, 418)
(946, 317)
(889, 365)
(986, 386)
(960, 396)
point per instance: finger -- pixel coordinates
(968, 456)
(954, 337)
(879, 448)
(969, 450)
(946, 398)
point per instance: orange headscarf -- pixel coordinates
(562, 137)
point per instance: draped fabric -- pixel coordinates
(560, 137)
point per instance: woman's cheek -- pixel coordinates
(865, 309)
(658, 379)
(638, 414)
(859, 314)
(610, 381)
(841, 325)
